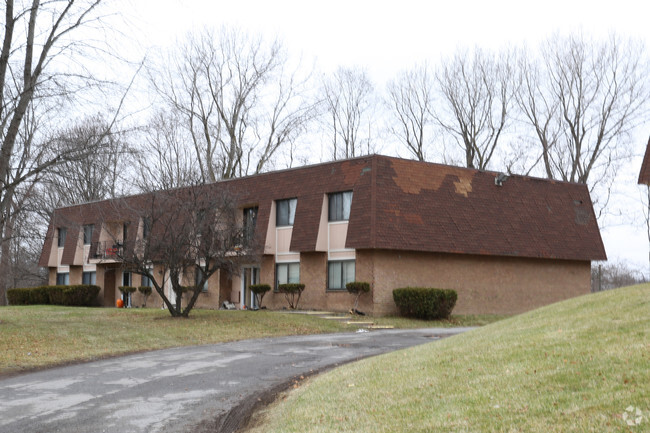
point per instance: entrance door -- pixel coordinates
(250, 275)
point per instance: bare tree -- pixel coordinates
(165, 161)
(475, 99)
(99, 175)
(582, 98)
(39, 77)
(187, 229)
(347, 100)
(236, 99)
(411, 102)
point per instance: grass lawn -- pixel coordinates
(38, 336)
(578, 366)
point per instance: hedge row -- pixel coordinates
(79, 295)
(425, 303)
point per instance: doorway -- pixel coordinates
(250, 275)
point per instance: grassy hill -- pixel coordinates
(578, 366)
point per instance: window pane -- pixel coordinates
(62, 233)
(348, 272)
(88, 234)
(197, 275)
(347, 204)
(146, 281)
(281, 273)
(294, 273)
(285, 212)
(339, 206)
(292, 210)
(89, 278)
(334, 275)
(62, 279)
(126, 278)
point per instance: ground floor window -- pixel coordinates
(62, 278)
(146, 281)
(287, 273)
(126, 281)
(197, 277)
(339, 273)
(89, 278)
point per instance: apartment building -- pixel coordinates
(506, 244)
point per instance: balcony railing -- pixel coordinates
(107, 250)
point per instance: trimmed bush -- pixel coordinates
(425, 303)
(259, 290)
(79, 295)
(357, 288)
(146, 292)
(39, 296)
(292, 293)
(55, 294)
(18, 296)
(127, 289)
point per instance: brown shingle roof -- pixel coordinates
(408, 205)
(644, 174)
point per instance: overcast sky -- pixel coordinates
(388, 36)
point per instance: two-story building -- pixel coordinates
(506, 244)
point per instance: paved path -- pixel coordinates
(200, 388)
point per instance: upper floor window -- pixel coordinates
(146, 227)
(88, 234)
(339, 206)
(285, 212)
(62, 232)
(250, 220)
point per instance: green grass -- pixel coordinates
(40, 336)
(575, 366)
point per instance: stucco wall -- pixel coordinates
(499, 285)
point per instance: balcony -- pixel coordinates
(106, 251)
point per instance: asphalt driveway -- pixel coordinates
(188, 389)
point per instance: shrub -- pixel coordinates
(357, 288)
(259, 290)
(55, 293)
(38, 296)
(127, 289)
(292, 293)
(18, 296)
(79, 295)
(146, 292)
(425, 303)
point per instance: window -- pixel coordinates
(197, 277)
(88, 234)
(146, 228)
(89, 278)
(146, 281)
(339, 206)
(340, 273)
(62, 232)
(250, 220)
(126, 278)
(287, 273)
(125, 233)
(62, 278)
(285, 211)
